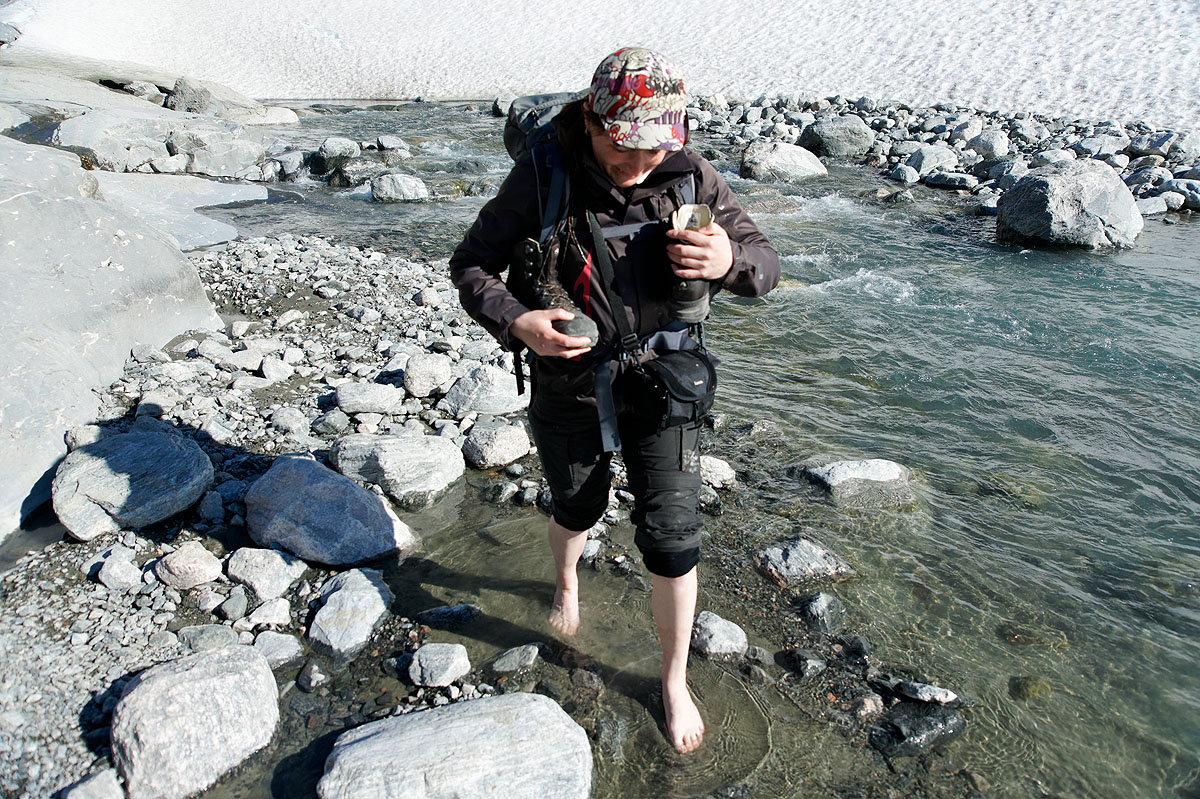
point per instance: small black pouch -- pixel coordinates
(676, 388)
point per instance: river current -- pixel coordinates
(1046, 399)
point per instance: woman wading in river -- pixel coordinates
(616, 165)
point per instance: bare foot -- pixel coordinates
(684, 725)
(564, 613)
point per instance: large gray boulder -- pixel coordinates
(180, 726)
(85, 282)
(1189, 188)
(214, 99)
(519, 746)
(46, 169)
(321, 516)
(121, 141)
(489, 445)
(485, 389)
(929, 157)
(838, 137)
(415, 470)
(129, 481)
(395, 187)
(1083, 203)
(353, 604)
(778, 161)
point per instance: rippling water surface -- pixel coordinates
(1046, 399)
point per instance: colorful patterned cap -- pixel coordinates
(639, 97)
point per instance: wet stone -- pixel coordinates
(448, 616)
(910, 728)
(823, 613)
(516, 659)
(1027, 688)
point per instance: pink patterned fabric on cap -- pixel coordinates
(639, 96)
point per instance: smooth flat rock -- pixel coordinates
(280, 649)
(130, 480)
(1082, 203)
(86, 282)
(101, 785)
(369, 398)
(414, 470)
(519, 746)
(321, 516)
(215, 99)
(46, 169)
(168, 203)
(516, 659)
(180, 726)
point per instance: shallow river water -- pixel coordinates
(1046, 400)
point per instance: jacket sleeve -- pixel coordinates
(755, 269)
(477, 265)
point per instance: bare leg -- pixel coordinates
(674, 604)
(567, 546)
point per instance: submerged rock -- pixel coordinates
(823, 613)
(1026, 688)
(1081, 203)
(910, 728)
(868, 483)
(799, 560)
(180, 726)
(520, 746)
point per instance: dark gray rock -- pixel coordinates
(1081, 203)
(838, 137)
(518, 745)
(131, 480)
(229, 696)
(321, 516)
(910, 728)
(448, 616)
(356, 172)
(1189, 188)
(804, 662)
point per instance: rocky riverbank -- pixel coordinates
(212, 498)
(369, 377)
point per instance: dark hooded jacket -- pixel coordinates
(640, 264)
